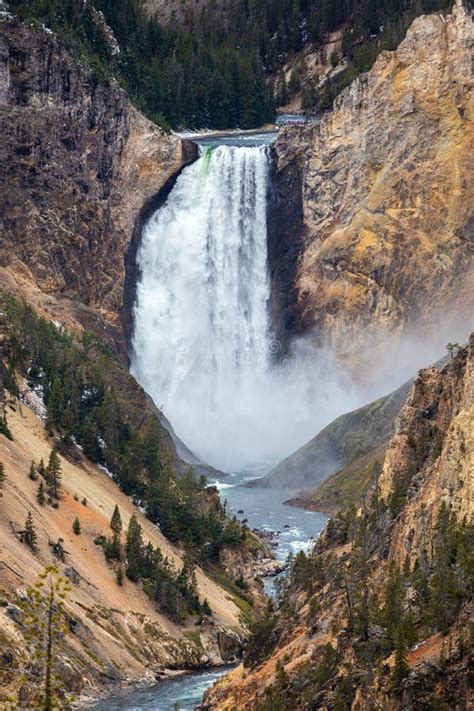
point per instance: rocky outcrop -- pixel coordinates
(433, 448)
(247, 565)
(385, 180)
(81, 167)
(402, 539)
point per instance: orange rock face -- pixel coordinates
(385, 182)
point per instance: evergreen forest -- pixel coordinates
(222, 68)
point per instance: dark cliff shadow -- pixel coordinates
(132, 269)
(285, 244)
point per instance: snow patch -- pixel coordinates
(32, 397)
(106, 470)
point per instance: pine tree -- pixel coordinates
(393, 608)
(409, 628)
(3, 478)
(55, 404)
(28, 535)
(116, 521)
(119, 575)
(76, 526)
(9, 379)
(360, 575)
(134, 549)
(401, 668)
(40, 497)
(53, 473)
(445, 594)
(313, 613)
(41, 469)
(4, 428)
(206, 608)
(32, 473)
(45, 629)
(58, 549)
(282, 678)
(113, 548)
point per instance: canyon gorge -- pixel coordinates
(184, 313)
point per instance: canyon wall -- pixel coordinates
(404, 533)
(385, 185)
(79, 163)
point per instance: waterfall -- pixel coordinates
(202, 345)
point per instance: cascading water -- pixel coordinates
(202, 345)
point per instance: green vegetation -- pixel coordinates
(418, 600)
(76, 527)
(53, 474)
(239, 598)
(33, 473)
(217, 68)
(45, 628)
(40, 497)
(401, 668)
(451, 347)
(116, 521)
(4, 428)
(351, 483)
(120, 575)
(113, 546)
(369, 27)
(75, 375)
(425, 446)
(301, 689)
(3, 478)
(262, 641)
(72, 373)
(181, 77)
(28, 535)
(175, 593)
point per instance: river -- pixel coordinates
(182, 692)
(265, 510)
(295, 529)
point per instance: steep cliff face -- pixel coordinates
(385, 181)
(79, 165)
(376, 617)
